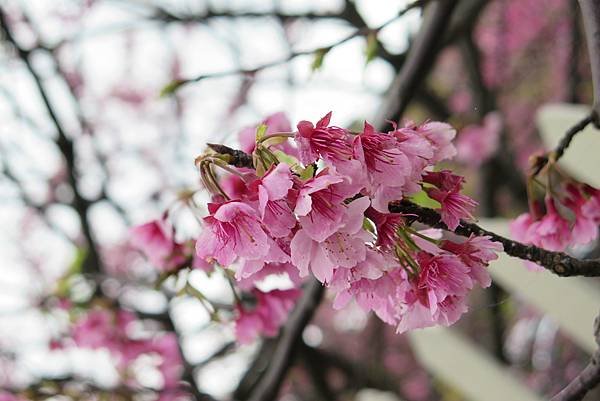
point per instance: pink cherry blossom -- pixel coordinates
(344, 248)
(441, 275)
(320, 205)
(171, 363)
(368, 282)
(274, 208)
(6, 396)
(248, 281)
(275, 254)
(552, 232)
(477, 143)
(155, 240)
(386, 165)
(521, 227)
(232, 230)
(320, 140)
(476, 253)
(585, 227)
(417, 315)
(436, 295)
(591, 208)
(101, 328)
(234, 186)
(387, 225)
(439, 135)
(455, 206)
(266, 317)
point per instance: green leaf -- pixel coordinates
(319, 57)
(63, 285)
(261, 131)
(368, 226)
(285, 158)
(308, 172)
(258, 163)
(172, 87)
(371, 48)
(275, 140)
(77, 263)
(421, 199)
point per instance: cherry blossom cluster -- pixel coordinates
(314, 203)
(562, 213)
(120, 332)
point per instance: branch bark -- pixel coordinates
(66, 147)
(419, 61)
(590, 11)
(289, 342)
(558, 263)
(587, 379)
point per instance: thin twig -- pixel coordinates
(324, 49)
(564, 143)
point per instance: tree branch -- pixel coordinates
(587, 379)
(289, 342)
(558, 263)
(419, 61)
(65, 145)
(590, 11)
(251, 71)
(562, 146)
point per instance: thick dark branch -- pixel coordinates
(65, 146)
(587, 379)
(558, 263)
(564, 143)
(590, 11)
(289, 342)
(419, 61)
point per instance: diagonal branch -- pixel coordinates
(65, 146)
(590, 11)
(558, 263)
(587, 379)
(289, 342)
(419, 61)
(562, 146)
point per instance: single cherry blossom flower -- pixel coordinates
(477, 143)
(232, 230)
(455, 206)
(266, 316)
(273, 205)
(155, 240)
(321, 140)
(319, 206)
(476, 253)
(386, 165)
(344, 248)
(387, 225)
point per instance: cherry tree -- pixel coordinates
(177, 239)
